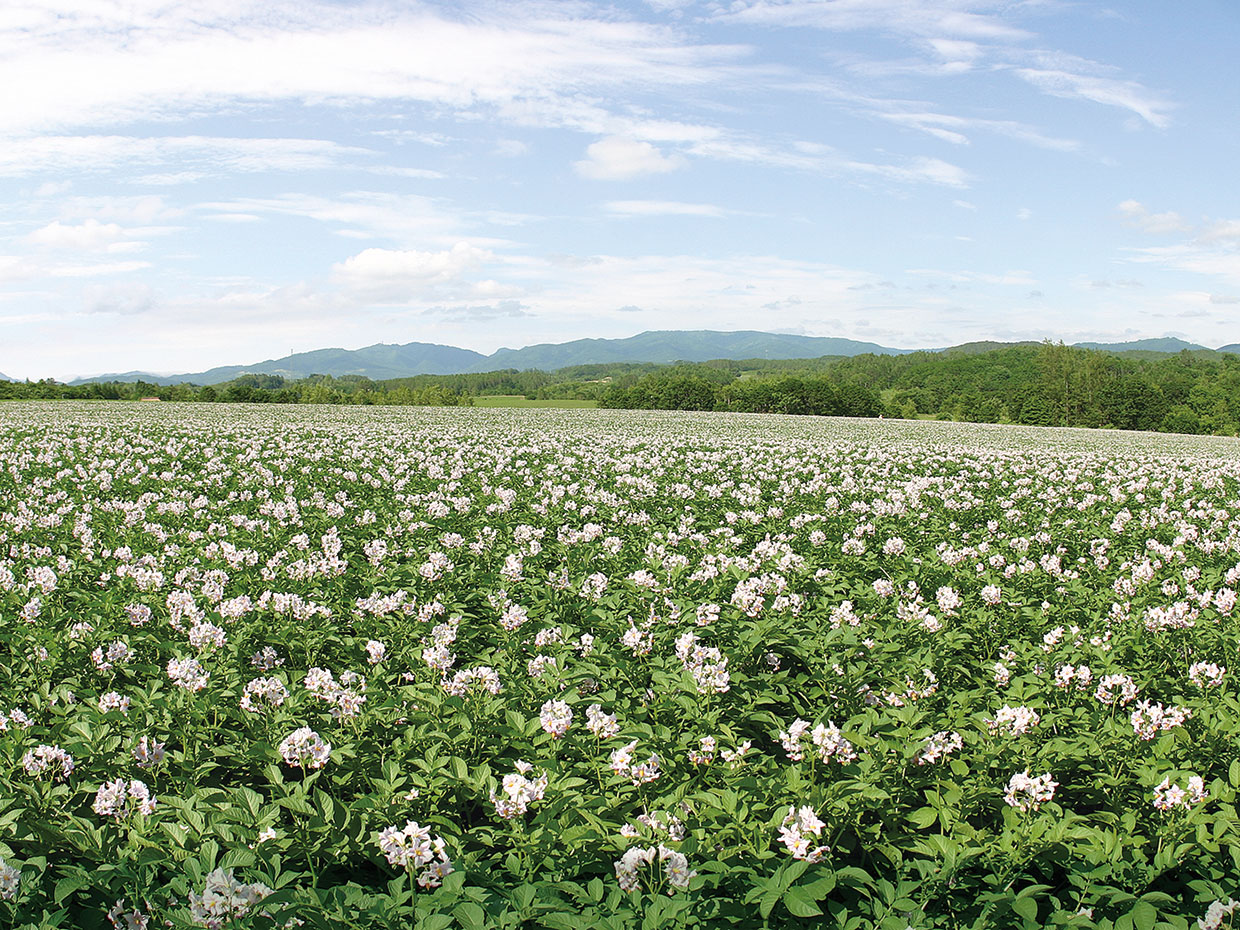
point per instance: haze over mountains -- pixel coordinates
(382, 361)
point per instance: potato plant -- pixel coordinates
(276, 667)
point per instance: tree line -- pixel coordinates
(1047, 385)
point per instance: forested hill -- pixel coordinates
(1040, 384)
(1048, 385)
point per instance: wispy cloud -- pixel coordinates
(1127, 95)
(195, 156)
(662, 208)
(398, 218)
(150, 61)
(1211, 248)
(941, 19)
(956, 129)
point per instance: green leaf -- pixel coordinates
(297, 804)
(435, 922)
(924, 817)
(253, 800)
(470, 916)
(800, 904)
(820, 888)
(1026, 907)
(791, 872)
(1144, 915)
(66, 886)
(768, 902)
(1233, 773)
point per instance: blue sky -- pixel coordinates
(188, 184)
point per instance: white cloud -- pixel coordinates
(662, 208)
(93, 270)
(142, 210)
(406, 275)
(1214, 262)
(511, 148)
(122, 299)
(617, 159)
(1220, 231)
(1137, 215)
(90, 236)
(150, 61)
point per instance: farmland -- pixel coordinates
(500, 668)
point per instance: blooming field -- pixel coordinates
(580, 668)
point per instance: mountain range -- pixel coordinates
(382, 361)
(420, 358)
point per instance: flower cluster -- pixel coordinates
(10, 881)
(113, 700)
(1206, 674)
(1213, 919)
(305, 748)
(603, 726)
(556, 717)
(44, 758)
(263, 693)
(518, 791)
(1168, 796)
(224, 899)
(675, 867)
(460, 684)
(1014, 721)
(412, 847)
(1079, 677)
(939, 746)
(345, 696)
(795, 832)
(707, 665)
(148, 753)
(1114, 689)
(188, 674)
(119, 799)
(826, 738)
(1148, 720)
(1025, 793)
(125, 918)
(638, 772)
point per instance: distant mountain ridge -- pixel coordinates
(1166, 344)
(679, 346)
(382, 361)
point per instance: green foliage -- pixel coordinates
(701, 579)
(1038, 385)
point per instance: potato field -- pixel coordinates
(298, 666)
